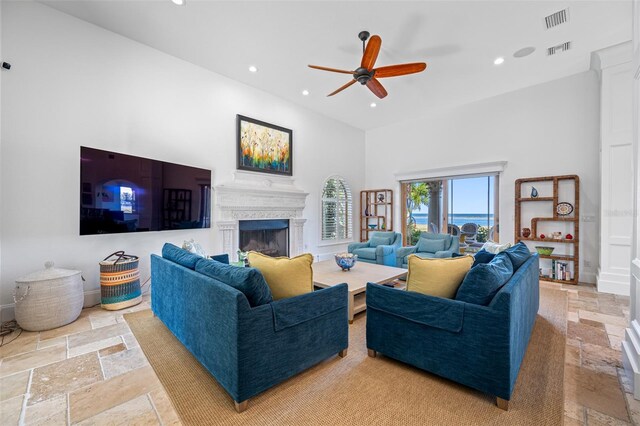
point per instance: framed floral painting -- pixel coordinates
(263, 147)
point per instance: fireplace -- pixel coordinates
(270, 237)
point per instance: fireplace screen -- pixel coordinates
(270, 237)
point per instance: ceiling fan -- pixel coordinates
(366, 74)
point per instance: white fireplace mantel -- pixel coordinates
(249, 197)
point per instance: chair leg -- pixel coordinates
(343, 353)
(502, 404)
(241, 406)
(371, 353)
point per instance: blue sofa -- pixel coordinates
(246, 344)
(478, 346)
(380, 249)
(427, 249)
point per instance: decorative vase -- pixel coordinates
(366, 211)
(381, 198)
(526, 232)
(534, 192)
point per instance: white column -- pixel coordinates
(616, 168)
(631, 343)
(229, 231)
(296, 237)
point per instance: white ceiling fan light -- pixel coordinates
(179, 2)
(253, 68)
(373, 105)
(498, 61)
(305, 92)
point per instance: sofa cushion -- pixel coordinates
(222, 258)
(484, 281)
(518, 254)
(366, 253)
(379, 241)
(429, 245)
(437, 277)
(180, 256)
(425, 255)
(483, 256)
(495, 248)
(247, 280)
(286, 277)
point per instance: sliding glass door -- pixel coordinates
(462, 206)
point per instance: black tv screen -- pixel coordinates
(124, 193)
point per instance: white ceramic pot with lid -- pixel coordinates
(49, 298)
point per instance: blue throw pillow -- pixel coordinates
(222, 258)
(379, 241)
(518, 254)
(430, 246)
(180, 256)
(247, 280)
(483, 256)
(484, 281)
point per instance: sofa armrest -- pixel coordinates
(443, 254)
(306, 307)
(383, 250)
(402, 252)
(445, 314)
(351, 247)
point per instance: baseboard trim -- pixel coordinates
(613, 283)
(631, 356)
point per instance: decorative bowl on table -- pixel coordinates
(373, 226)
(346, 261)
(545, 251)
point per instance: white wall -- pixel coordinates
(549, 129)
(76, 84)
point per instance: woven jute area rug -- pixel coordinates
(361, 390)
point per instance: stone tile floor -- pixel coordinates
(93, 371)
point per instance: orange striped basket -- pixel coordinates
(119, 281)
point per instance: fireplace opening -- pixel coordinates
(270, 237)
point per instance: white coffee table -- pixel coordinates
(327, 274)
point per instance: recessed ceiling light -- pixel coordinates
(305, 92)
(373, 105)
(498, 61)
(179, 2)
(253, 68)
(525, 51)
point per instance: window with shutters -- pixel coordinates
(337, 215)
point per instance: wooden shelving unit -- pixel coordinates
(176, 207)
(572, 218)
(376, 208)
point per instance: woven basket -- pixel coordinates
(48, 299)
(120, 281)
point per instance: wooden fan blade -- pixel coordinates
(377, 89)
(371, 52)
(331, 69)
(342, 88)
(403, 69)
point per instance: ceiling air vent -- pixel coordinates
(555, 19)
(559, 48)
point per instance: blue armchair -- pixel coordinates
(478, 346)
(247, 347)
(380, 249)
(429, 246)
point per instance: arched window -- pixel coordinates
(337, 215)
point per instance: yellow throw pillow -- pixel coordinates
(437, 277)
(286, 277)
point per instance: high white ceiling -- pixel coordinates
(458, 40)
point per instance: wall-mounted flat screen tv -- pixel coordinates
(123, 193)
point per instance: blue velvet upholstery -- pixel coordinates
(483, 282)
(482, 256)
(423, 248)
(248, 280)
(374, 251)
(518, 254)
(247, 350)
(222, 258)
(478, 346)
(180, 256)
